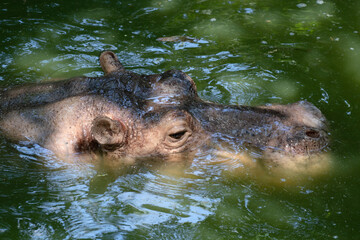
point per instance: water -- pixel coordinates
(244, 52)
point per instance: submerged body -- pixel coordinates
(124, 114)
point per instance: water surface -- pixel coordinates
(242, 52)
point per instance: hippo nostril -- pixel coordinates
(312, 133)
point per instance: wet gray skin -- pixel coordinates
(124, 114)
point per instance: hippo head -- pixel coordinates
(162, 114)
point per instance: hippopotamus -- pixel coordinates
(125, 114)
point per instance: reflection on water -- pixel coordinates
(138, 198)
(86, 201)
(242, 52)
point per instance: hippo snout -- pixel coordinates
(311, 135)
(305, 141)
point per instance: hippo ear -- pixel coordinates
(109, 133)
(110, 63)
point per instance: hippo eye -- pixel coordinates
(177, 136)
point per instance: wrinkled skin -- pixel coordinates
(124, 114)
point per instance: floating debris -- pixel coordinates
(177, 39)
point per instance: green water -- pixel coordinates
(244, 52)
